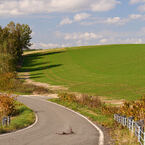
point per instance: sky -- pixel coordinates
(66, 23)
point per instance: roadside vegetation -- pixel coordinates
(110, 71)
(14, 39)
(21, 116)
(102, 114)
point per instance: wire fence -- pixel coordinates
(5, 121)
(136, 127)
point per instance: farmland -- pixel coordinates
(112, 71)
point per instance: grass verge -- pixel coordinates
(119, 135)
(23, 118)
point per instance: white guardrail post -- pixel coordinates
(135, 127)
(144, 139)
(139, 133)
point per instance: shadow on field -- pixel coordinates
(30, 64)
(40, 68)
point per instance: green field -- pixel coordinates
(112, 71)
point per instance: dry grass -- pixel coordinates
(124, 137)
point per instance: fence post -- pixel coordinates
(130, 119)
(143, 138)
(4, 121)
(139, 133)
(9, 120)
(125, 121)
(114, 116)
(132, 126)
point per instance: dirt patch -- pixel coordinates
(26, 78)
(112, 101)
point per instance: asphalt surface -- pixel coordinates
(52, 119)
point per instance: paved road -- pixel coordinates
(52, 119)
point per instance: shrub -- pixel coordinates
(7, 105)
(7, 63)
(67, 97)
(109, 109)
(135, 109)
(90, 101)
(8, 81)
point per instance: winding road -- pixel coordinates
(53, 119)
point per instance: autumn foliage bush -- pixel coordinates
(7, 105)
(134, 109)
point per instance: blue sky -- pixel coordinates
(63, 23)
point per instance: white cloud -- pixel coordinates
(114, 20)
(81, 36)
(66, 21)
(104, 5)
(104, 40)
(131, 41)
(142, 8)
(77, 18)
(135, 16)
(109, 21)
(25, 7)
(101, 37)
(44, 45)
(81, 16)
(136, 1)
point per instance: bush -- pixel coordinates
(135, 109)
(8, 82)
(90, 101)
(110, 110)
(67, 97)
(7, 63)
(7, 105)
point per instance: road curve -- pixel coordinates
(52, 119)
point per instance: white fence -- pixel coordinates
(5, 121)
(136, 127)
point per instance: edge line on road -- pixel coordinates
(101, 138)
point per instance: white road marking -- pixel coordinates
(101, 138)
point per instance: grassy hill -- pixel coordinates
(113, 71)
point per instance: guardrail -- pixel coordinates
(5, 121)
(136, 127)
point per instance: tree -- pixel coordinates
(14, 38)
(22, 35)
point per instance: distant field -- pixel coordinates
(113, 71)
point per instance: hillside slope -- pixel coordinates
(113, 71)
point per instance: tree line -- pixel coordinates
(14, 39)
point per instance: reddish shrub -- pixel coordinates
(7, 105)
